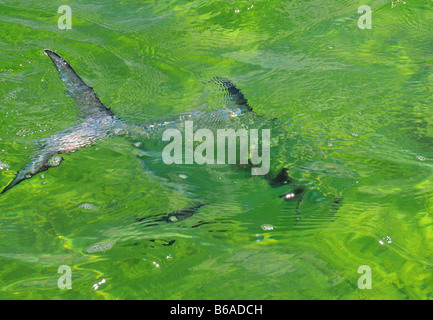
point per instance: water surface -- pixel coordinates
(356, 109)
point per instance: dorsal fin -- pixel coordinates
(83, 95)
(235, 94)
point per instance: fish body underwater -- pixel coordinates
(98, 122)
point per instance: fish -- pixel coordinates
(97, 122)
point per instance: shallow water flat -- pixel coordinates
(354, 121)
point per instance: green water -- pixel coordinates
(357, 105)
